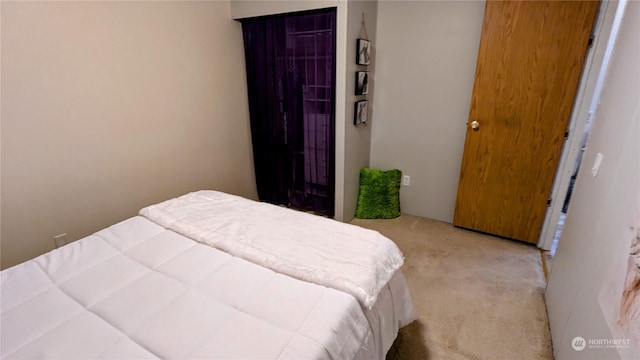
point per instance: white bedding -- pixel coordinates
(138, 290)
(311, 248)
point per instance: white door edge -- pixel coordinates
(579, 115)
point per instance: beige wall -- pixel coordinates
(111, 106)
(604, 213)
(425, 62)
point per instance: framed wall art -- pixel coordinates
(360, 112)
(362, 82)
(363, 56)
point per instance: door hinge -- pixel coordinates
(566, 135)
(590, 43)
(549, 202)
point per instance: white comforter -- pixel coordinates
(137, 290)
(311, 248)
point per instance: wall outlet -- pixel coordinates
(406, 180)
(60, 240)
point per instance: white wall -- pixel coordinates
(604, 210)
(111, 106)
(425, 62)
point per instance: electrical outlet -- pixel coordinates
(60, 240)
(406, 180)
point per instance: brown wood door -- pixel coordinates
(529, 63)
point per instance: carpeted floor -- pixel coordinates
(477, 296)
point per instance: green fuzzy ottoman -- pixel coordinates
(379, 196)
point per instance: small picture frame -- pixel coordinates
(363, 55)
(360, 114)
(362, 82)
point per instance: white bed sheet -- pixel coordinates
(137, 290)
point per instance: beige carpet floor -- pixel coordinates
(476, 296)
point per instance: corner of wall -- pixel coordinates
(357, 138)
(100, 126)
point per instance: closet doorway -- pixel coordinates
(291, 62)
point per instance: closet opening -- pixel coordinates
(291, 66)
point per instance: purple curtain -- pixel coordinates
(290, 62)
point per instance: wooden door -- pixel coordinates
(529, 63)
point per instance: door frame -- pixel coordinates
(602, 35)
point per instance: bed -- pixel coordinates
(209, 275)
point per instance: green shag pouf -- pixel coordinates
(379, 196)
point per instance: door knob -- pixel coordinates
(475, 125)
